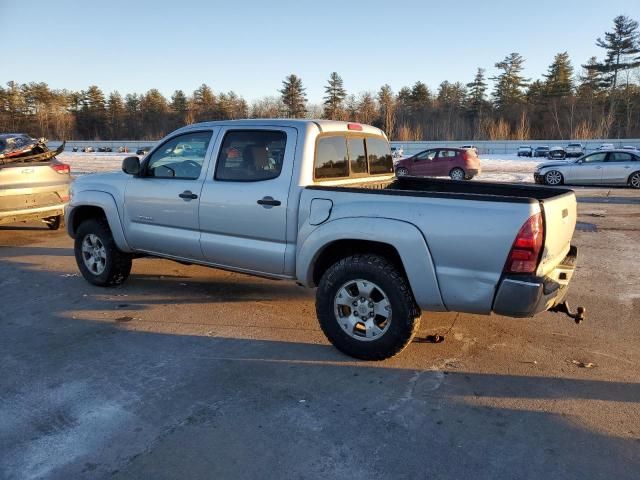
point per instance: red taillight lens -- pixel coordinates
(61, 168)
(354, 126)
(524, 254)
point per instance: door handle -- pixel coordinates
(187, 195)
(269, 202)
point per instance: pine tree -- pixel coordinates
(155, 114)
(387, 109)
(367, 108)
(335, 95)
(133, 117)
(115, 116)
(477, 98)
(621, 46)
(420, 97)
(559, 79)
(510, 83)
(204, 103)
(294, 97)
(179, 108)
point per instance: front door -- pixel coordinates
(161, 205)
(243, 209)
(588, 169)
(423, 164)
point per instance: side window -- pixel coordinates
(620, 157)
(428, 155)
(180, 158)
(251, 155)
(447, 153)
(357, 156)
(380, 160)
(331, 158)
(595, 157)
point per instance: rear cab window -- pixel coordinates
(348, 156)
(251, 155)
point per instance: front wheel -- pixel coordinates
(553, 177)
(98, 257)
(457, 174)
(634, 180)
(365, 307)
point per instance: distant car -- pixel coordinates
(143, 150)
(105, 149)
(457, 163)
(541, 151)
(87, 149)
(525, 151)
(606, 146)
(629, 147)
(614, 167)
(470, 147)
(574, 150)
(74, 149)
(123, 149)
(557, 153)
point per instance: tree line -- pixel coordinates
(602, 101)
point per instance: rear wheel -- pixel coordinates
(98, 257)
(402, 172)
(365, 307)
(457, 174)
(634, 180)
(553, 177)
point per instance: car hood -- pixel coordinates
(560, 163)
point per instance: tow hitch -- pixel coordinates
(578, 315)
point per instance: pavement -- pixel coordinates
(189, 372)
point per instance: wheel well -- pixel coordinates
(340, 249)
(631, 175)
(80, 214)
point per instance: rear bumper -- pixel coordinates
(31, 214)
(525, 296)
(472, 172)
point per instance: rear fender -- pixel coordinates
(406, 238)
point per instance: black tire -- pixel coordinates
(457, 174)
(405, 314)
(54, 223)
(117, 264)
(634, 180)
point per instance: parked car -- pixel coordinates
(74, 149)
(558, 153)
(541, 151)
(615, 167)
(606, 146)
(629, 147)
(574, 150)
(123, 149)
(143, 150)
(87, 149)
(34, 186)
(276, 198)
(105, 149)
(525, 151)
(457, 163)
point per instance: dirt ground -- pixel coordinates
(188, 372)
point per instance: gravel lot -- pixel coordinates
(187, 372)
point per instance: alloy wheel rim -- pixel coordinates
(457, 175)
(362, 309)
(94, 255)
(635, 180)
(401, 172)
(553, 178)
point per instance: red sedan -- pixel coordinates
(457, 163)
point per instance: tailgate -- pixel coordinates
(560, 213)
(29, 185)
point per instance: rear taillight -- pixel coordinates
(61, 168)
(525, 252)
(465, 156)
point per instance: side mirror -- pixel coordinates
(131, 165)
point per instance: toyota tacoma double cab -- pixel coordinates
(316, 202)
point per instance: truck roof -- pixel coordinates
(322, 125)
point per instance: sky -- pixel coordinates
(249, 46)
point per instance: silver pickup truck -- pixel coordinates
(317, 202)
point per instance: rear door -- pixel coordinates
(161, 206)
(243, 211)
(444, 162)
(588, 170)
(618, 167)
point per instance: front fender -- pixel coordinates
(404, 237)
(104, 201)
